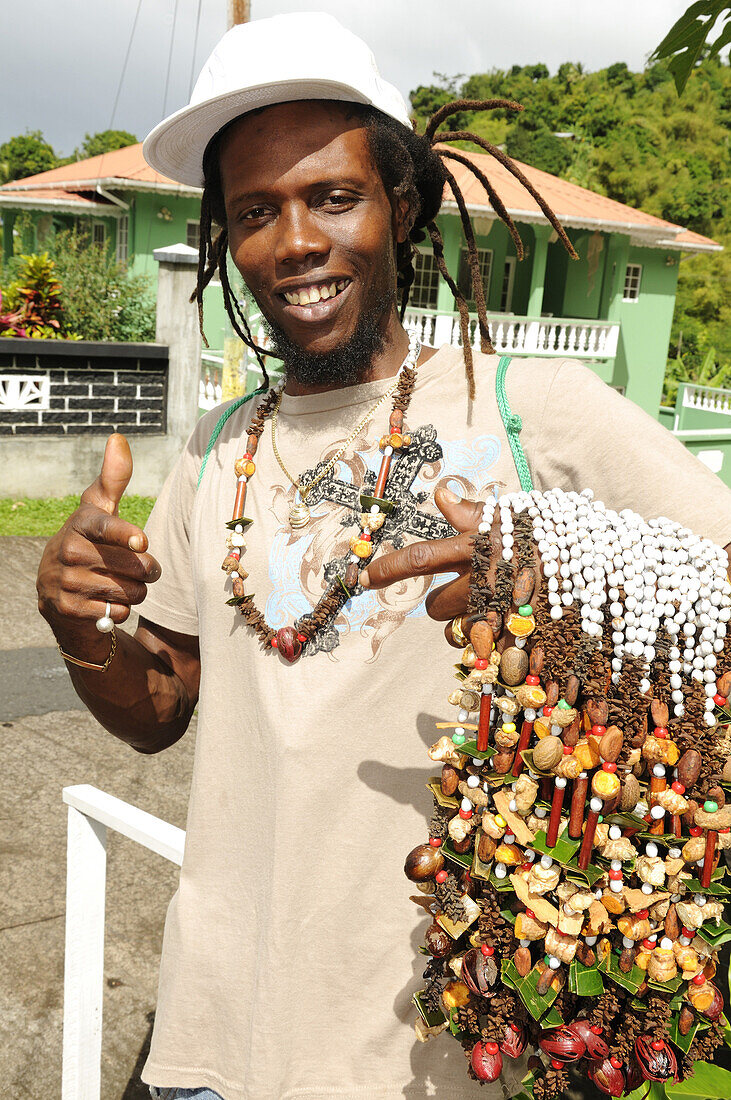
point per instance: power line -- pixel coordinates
(124, 66)
(195, 48)
(170, 58)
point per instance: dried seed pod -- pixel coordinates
(686, 1019)
(571, 691)
(523, 961)
(610, 744)
(547, 753)
(563, 1044)
(723, 684)
(591, 1034)
(423, 862)
(525, 583)
(515, 1039)
(597, 710)
(608, 1075)
(449, 780)
(479, 971)
(656, 1059)
(672, 924)
(485, 848)
(513, 666)
(659, 712)
(502, 762)
(486, 1061)
(536, 660)
(630, 793)
(572, 733)
(545, 979)
(437, 942)
(288, 644)
(552, 693)
(717, 795)
(482, 638)
(689, 768)
(464, 844)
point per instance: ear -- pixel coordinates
(402, 218)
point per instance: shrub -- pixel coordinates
(32, 301)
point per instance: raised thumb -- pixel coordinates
(115, 473)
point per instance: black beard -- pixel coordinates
(342, 366)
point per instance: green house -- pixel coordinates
(612, 308)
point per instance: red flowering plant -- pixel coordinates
(33, 301)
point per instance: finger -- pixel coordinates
(464, 515)
(99, 526)
(72, 605)
(114, 477)
(114, 561)
(96, 586)
(419, 560)
(448, 600)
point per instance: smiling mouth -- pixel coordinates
(311, 295)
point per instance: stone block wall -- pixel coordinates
(50, 387)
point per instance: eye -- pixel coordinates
(254, 213)
(338, 200)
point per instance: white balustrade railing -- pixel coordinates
(707, 398)
(91, 813)
(514, 335)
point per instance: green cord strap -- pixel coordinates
(219, 426)
(513, 425)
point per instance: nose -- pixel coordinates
(300, 236)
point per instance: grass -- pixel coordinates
(28, 516)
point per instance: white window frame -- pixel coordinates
(122, 250)
(418, 286)
(632, 283)
(506, 291)
(100, 229)
(192, 228)
(485, 258)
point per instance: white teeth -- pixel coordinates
(312, 295)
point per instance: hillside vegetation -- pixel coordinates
(635, 140)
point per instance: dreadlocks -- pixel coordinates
(413, 167)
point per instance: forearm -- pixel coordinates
(140, 699)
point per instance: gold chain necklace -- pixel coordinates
(299, 513)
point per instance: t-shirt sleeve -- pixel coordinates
(170, 601)
(592, 437)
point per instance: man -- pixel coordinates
(289, 957)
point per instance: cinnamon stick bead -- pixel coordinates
(523, 741)
(578, 805)
(559, 790)
(239, 500)
(382, 477)
(708, 858)
(483, 729)
(592, 818)
(658, 783)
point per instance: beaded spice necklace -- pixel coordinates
(290, 640)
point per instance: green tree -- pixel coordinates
(106, 141)
(690, 38)
(25, 155)
(536, 145)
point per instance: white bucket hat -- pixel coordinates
(304, 55)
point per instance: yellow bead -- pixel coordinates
(362, 549)
(500, 820)
(508, 727)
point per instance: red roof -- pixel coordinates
(575, 206)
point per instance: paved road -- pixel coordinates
(48, 741)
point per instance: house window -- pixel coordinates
(506, 292)
(426, 281)
(632, 277)
(464, 279)
(192, 234)
(123, 239)
(99, 233)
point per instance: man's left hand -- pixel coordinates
(451, 555)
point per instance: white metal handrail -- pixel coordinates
(91, 813)
(708, 398)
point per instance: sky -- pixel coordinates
(80, 66)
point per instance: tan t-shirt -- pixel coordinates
(290, 953)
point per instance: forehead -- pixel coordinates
(294, 141)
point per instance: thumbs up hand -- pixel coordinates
(96, 558)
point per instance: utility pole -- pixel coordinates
(239, 11)
(235, 358)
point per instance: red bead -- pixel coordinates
(533, 680)
(609, 766)
(726, 829)
(526, 866)
(516, 1028)
(660, 731)
(274, 643)
(548, 710)
(435, 841)
(441, 876)
(466, 814)
(643, 914)
(481, 662)
(699, 979)
(688, 932)
(567, 750)
(248, 455)
(720, 700)
(657, 1044)
(596, 1029)
(616, 1062)
(695, 830)
(649, 945)
(530, 913)
(598, 731)
(615, 875)
(556, 1063)
(678, 787)
(487, 950)
(491, 1048)
(366, 536)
